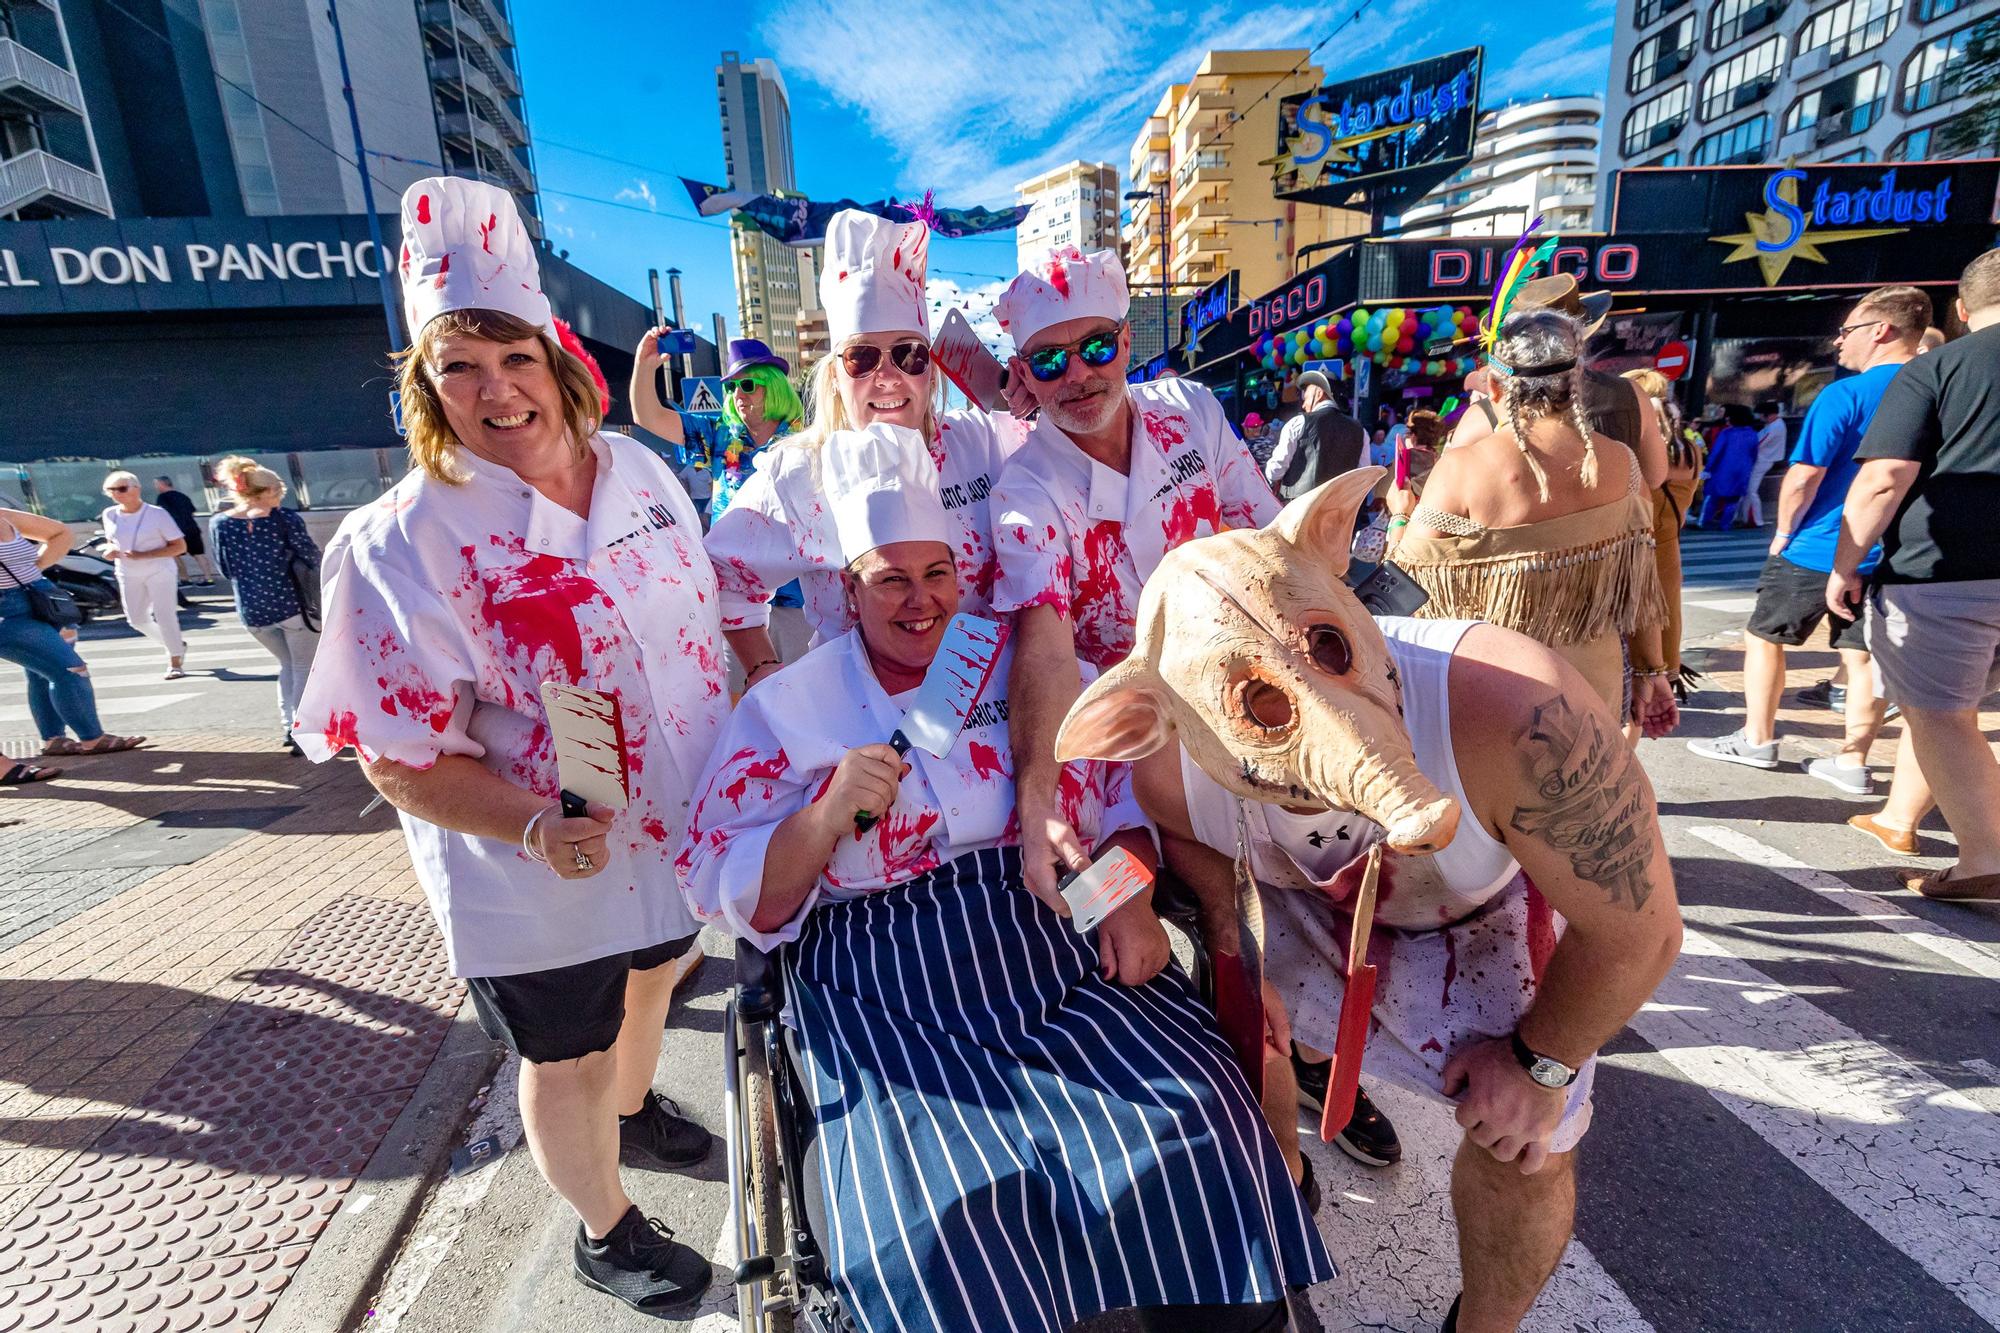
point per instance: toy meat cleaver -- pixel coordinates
(951, 687)
(976, 371)
(1357, 1005)
(1102, 887)
(590, 747)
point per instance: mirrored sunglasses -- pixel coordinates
(1096, 349)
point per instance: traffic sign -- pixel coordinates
(1672, 360)
(702, 393)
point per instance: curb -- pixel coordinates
(333, 1287)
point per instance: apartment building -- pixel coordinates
(1530, 159)
(1717, 82)
(1073, 204)
(757, 156)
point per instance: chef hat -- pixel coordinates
(1063, 284)
(873, 278)
(882, 487)
(464, 248)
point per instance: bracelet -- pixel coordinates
(1662, 671)
(1399, 521)
(528, 835)
(755, 667)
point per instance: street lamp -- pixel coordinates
(1159, 193)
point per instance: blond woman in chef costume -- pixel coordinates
(880, 371)
(529, 547)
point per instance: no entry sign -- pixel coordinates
(1672, 360)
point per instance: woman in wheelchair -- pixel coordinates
(1016, 1130)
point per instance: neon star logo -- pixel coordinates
(1783, 231)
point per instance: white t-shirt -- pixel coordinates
(1076, 535)
(147, 528)
(446, 607)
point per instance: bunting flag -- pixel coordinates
(802, 222)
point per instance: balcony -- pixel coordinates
(1202, 243)
(473, 14)
(477, 83)
(34, 84)
(40, 178)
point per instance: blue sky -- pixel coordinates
(965, 99)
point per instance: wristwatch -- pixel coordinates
(1545, 1070)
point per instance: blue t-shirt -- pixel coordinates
(1833, 428)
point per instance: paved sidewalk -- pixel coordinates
(218, 989)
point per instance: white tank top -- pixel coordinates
(1325, 851)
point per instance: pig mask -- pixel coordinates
(1252, 651)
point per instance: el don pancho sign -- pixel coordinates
(104, 265)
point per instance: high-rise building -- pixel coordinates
(1768, 80)
(757, 156)
(1529, 159)
(1202, 151)
(1073, 204)
(233, 109)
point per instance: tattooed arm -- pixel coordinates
(1555, 781)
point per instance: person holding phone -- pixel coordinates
(881, 370)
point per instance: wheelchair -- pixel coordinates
(783, 1283)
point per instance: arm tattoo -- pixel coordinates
(1588, 802)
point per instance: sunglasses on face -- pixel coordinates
(743, 385)
(912, 357)
(113, 490)
(1047, 364)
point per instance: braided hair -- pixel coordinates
(1538, 359)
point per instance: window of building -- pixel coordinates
(1653, 123)
(1912, 147)
(1846, 106)
(1958, 63)
(1650, 12)
(1937, 9)
(1746, 141)
(1731, 19)
(1847, 29)
(248, 140)
(1667, 159)
(1662, 55)
(1863, 154)
(1742, 79)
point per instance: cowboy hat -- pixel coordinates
(1558, 291)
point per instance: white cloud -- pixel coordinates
(943, 294)
(974, 100)
(1575, 61)
(641, 191)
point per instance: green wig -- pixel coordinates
(781, 400)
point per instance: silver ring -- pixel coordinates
(584, 862)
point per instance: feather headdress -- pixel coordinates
(1515, 270)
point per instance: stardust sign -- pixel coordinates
(1408, 127)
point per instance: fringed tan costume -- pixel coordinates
(1579, 583)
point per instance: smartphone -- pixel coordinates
(976, 371)
(1385, 590)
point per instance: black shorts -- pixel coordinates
(564, 1013)
(1791, 601)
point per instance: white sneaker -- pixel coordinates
(1735, 748)
(1855, 781)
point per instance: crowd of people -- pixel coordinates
(1013, 1115)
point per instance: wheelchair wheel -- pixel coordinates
(765, 1306)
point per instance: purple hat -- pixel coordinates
(747, 352)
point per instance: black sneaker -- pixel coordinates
(657, 1137)
(1309, 1186)
(642, 1264)
(1825, 694)
(1369, 1137)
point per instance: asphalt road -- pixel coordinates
(1798, 1133)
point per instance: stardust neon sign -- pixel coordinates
(1406, 108)
(1830, 207)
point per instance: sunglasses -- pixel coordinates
(1097, 349)
(113, 490)
(912, 357)
(746, 384)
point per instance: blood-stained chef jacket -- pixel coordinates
(448, 606)
(1079, 536)
(778, 752)
(777, 528)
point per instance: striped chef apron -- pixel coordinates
(1008, 1140)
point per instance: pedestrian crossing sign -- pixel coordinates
(702, 393)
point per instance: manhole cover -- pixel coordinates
(177, 838)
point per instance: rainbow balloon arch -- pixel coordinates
(1393, 337)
